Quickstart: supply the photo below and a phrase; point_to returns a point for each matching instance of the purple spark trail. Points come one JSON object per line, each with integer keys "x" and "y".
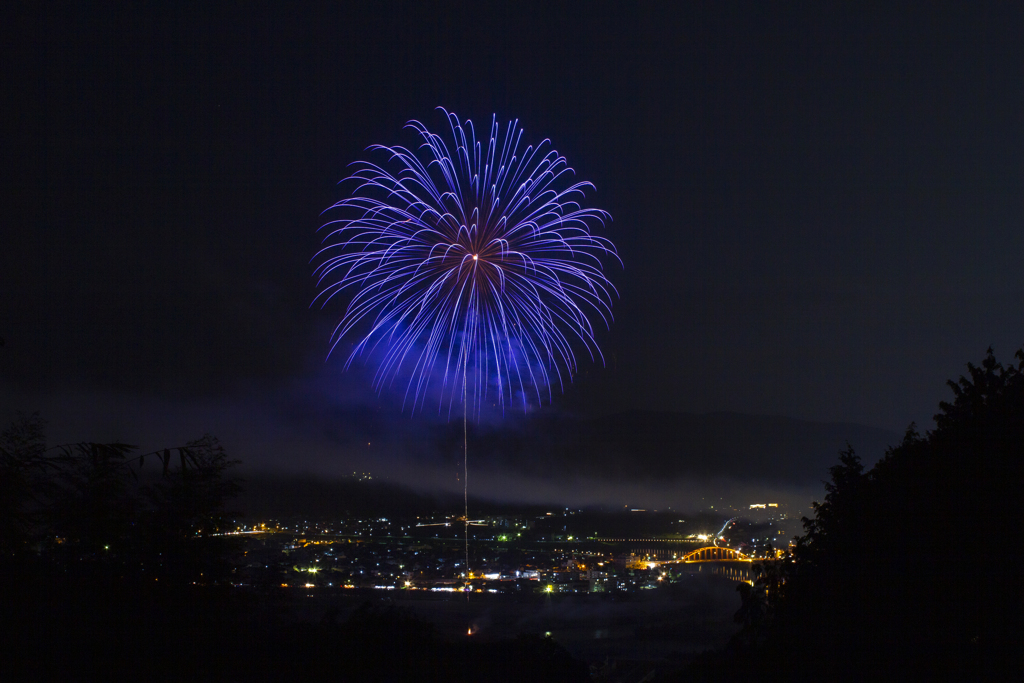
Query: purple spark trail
{"x": 470, "y": 273}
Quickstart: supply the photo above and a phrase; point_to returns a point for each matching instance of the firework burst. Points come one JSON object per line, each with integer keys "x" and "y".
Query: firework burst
{"x": 471, "y": 273}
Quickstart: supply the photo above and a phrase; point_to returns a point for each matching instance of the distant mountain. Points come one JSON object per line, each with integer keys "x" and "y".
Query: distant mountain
{"x": 318, "y": 498}
{"x": 648, "y": 449}
{"x": 649, "y": 445}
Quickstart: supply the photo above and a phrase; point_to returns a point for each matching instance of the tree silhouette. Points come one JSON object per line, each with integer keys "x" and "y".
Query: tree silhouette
{"x": 80, "y": 509}
{"x": 22, "y": 464}
{"x": 906, "y": 570}
{"x": 92, "y": 511}
{"x": 186, "y": 511}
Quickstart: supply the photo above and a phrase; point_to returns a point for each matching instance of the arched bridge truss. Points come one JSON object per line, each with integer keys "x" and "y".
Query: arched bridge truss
{"x": 712, "y": 554}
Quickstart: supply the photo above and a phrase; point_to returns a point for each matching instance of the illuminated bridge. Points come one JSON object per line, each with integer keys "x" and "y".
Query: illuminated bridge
{"x": 713, "y": 554}
{"x": 724, "y": 561}
{"x": 709, "y": 554}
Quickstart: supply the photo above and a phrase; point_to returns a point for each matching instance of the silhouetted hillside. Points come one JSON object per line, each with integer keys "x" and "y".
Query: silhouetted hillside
{"x": 290, "y": 496}
{"x": 636, "y": 447}
{"x": 657, "y": 445}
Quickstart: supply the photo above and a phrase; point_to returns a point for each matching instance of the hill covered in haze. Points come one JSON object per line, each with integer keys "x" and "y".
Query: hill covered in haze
{"x": 650, "y": 458}
{"x": 642, "y": 445}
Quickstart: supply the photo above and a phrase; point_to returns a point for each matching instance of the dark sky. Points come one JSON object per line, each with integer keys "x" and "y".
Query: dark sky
{"x": 819, "y": 206}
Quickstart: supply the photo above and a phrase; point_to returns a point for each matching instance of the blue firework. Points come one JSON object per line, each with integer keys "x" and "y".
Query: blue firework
{"x": 470, "y": 270}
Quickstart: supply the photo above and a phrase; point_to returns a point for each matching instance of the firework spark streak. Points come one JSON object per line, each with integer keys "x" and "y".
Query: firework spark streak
{"x": 475, "y": 269}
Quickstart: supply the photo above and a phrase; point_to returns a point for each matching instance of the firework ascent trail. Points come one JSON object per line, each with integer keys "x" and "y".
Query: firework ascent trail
{"x": 471, "y": 274}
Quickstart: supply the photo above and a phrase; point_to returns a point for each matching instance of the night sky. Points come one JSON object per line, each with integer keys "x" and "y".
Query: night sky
{"x": 819, "y": 207}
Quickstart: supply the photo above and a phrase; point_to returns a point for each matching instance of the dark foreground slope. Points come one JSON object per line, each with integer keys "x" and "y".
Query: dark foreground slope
{"x": 108, "y": 630}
